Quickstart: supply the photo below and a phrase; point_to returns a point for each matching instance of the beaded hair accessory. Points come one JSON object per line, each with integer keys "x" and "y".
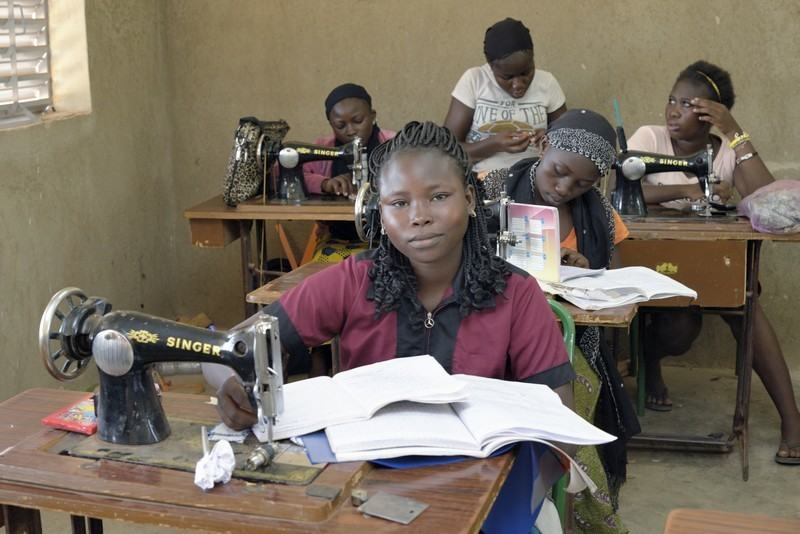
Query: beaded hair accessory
{"x": 587, "y": 144}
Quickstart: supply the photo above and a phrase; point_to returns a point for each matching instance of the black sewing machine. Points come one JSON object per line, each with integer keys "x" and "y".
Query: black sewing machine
{"x": 125, "y": 345}
{"x": 289, "y": 184}
{"x": 631, "y": 166}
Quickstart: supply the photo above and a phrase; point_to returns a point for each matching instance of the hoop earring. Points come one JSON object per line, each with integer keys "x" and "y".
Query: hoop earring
{"x": 473, "y": 214}
{"x": 383, "y": 230}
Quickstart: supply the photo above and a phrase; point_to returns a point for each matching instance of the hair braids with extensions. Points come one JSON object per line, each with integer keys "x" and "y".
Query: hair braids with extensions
{"x": 392, "y": 276}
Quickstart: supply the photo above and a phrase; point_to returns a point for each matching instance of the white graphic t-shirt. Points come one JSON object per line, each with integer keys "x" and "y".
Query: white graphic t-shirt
{"x": 497, "y": 111}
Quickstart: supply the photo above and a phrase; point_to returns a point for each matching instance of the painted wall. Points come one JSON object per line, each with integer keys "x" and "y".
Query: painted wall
{"x": 87, "y": 201}
{"x": 280, "y": 58}
{"x": 97, "y": 201}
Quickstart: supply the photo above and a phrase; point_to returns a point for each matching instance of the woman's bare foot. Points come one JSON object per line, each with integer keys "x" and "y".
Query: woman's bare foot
{"x": 789, "y": 449}
{"x": 657, "y": 393}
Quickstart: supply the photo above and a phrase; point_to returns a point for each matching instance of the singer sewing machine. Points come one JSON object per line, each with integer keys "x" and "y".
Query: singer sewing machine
{"x": 75, "y": 329}
{"x": 632, "y": 166}
{"x": 289, "y": 184}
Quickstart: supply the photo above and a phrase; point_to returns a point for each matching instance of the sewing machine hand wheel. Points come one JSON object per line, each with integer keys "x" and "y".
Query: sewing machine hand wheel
{"x": 367, "y": 217}
{"x": 54, "y": 348}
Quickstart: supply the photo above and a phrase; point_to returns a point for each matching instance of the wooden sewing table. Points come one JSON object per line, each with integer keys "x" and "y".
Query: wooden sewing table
{"x": 32, "y": 478}
{"x": 619, "y": 317}
{"x": 719, "y": 258}
{"x": 214, "y": 224}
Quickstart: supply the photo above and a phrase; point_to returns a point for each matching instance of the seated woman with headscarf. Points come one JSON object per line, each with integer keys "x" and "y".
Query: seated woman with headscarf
{"x": 577, "y": 150}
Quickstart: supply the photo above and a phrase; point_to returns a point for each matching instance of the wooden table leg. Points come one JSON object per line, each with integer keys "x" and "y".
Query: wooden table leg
{"x": 745, "y": 347}
{"x": 247, "y": 256}
{"x": 637, "y": 355}
{"x": 22, "y": 520}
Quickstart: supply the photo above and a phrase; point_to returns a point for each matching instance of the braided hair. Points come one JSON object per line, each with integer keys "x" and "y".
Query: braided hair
{"x": 392, "y": 276}
{"x": 716, "y": 80}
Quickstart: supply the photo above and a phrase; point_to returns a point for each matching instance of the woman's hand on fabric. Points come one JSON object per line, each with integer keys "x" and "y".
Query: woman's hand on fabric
{"x": 512, "y": 141}
{"x": 234, "y": 406}
{"x": 573, "y": 258}
{"x": 341, "y": 185}
{"x": 716, "y": 114}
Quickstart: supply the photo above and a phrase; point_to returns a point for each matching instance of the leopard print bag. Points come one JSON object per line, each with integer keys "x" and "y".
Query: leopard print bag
{"x": 248, "y": 165}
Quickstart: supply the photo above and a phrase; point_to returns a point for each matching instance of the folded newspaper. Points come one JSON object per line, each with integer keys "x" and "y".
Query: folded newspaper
{"x": 616, "y": 287}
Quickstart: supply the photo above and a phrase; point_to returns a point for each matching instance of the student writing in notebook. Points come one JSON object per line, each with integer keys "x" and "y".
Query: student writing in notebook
{"x": 432, "y": 286}
{"x": 577, "y": 150}
{"x": 702, "y": 97}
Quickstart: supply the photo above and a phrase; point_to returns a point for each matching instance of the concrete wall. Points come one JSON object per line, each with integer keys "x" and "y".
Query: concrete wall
{"x": 87, "y": 201}
{"x": 97, "y": 201}
{"x": 280, "y": 58}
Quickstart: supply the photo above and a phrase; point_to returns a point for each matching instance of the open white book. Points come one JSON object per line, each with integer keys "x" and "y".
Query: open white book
{"x": 496, "y": 413}
{"x": 617, "y": 287}
{"x": 313, "y": 404}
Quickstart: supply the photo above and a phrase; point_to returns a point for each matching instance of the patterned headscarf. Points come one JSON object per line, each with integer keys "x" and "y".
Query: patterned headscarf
{"x": 587, "y": 133}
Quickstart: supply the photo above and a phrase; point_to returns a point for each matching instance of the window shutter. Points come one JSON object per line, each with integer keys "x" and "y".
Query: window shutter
{"x": 25, "y": 86}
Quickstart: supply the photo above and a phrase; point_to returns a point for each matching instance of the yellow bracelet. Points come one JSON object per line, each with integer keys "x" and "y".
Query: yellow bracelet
{"x": 738, "y": 139}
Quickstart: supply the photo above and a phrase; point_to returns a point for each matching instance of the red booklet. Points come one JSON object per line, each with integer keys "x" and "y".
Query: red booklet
{"x": 78, "y": 417}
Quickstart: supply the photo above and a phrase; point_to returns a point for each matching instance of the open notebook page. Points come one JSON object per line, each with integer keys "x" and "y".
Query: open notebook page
{"x": 568, "y": 272}
{"x": 414, "y": 378}
{"x": 312, "y": 404}
{"x": 431, "y": 429}
{"x": 497, "y": 409}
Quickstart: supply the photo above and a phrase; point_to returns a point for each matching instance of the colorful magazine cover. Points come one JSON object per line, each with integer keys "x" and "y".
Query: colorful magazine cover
{"x": 77, "y": 417}
{"x": 538, "y": 246}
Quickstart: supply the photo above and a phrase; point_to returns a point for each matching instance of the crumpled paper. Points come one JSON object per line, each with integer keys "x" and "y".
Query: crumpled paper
{"x": 216, "y": 466}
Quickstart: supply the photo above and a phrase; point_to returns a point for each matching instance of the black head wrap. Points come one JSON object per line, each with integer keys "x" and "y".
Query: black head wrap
{"x": 347, "y": 90}
{"x": 586, "y": 133}
{"x": 506, "y": 37}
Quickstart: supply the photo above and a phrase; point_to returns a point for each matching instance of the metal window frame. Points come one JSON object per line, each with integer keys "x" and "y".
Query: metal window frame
{"x": 16, "y": 112}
